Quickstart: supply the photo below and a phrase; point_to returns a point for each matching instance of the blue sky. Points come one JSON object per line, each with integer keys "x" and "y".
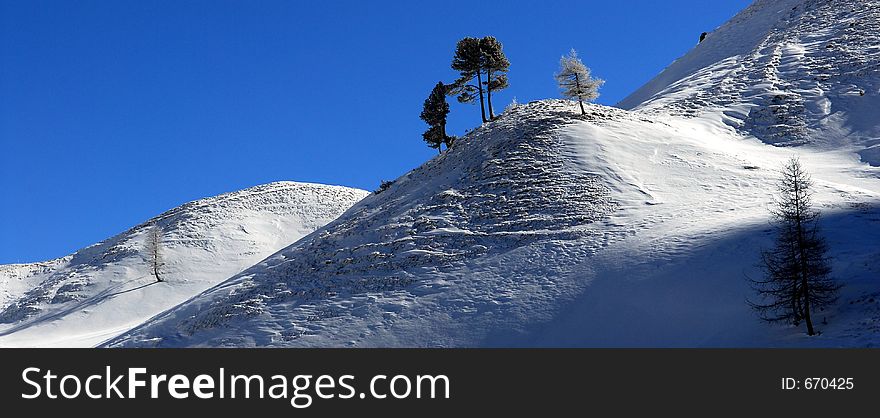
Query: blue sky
{"x": 114, "y": 111}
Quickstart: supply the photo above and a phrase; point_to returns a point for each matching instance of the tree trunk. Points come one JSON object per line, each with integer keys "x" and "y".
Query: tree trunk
{"x": 153, "y": 251}
{"x": 577, "y": 83}
{"x": 799, "y": 230}
{"x": 489, "y": 93}
{"x": 480, "y": 89}
{"x": 807, "y": 318}
{"x": 156, "y": 262}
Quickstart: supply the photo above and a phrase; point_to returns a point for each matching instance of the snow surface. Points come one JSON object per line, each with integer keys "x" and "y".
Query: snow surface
{"x": 620, "y": 228}
{"x": 789, "y": 72}
{"x": 544, "y": 228}
{"x": 105, "y": 289}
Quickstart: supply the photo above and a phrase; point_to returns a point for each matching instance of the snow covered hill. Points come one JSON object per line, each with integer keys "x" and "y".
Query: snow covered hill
{"x": 634, "y": 227}
{"x": 107, "y": 288}
{"x": 544, "y": 228}
{"x": 790, "y": 72}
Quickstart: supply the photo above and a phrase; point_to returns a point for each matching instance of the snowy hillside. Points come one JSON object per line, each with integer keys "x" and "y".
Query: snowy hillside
{"x": 15, "y": 281}
{"x": 634, "y": 227}
{"x": 544, "y": 228}
{"x": 789, "y": 72}
{"x": 102, "y": 290}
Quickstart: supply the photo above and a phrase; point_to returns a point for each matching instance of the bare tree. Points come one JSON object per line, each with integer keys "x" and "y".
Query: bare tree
{"x": 154, "y": 251}
{"x": 796, "y": 269}
{"x": 575, "y": 81}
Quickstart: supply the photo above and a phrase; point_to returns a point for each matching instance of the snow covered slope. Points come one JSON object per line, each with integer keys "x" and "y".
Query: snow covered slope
{"x": 632, "y": 228}
{"x": 503, "y": 189}
{"x": 14, "y": 277}
{"x": 105, "y": 289}
{"x": 545, "y": 228}
{"x": 790, "y": 72}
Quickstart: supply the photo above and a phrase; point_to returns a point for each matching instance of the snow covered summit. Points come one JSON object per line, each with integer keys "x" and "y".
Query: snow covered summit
{"x": 789, "y": 72}
{"x": 107, "y": 288}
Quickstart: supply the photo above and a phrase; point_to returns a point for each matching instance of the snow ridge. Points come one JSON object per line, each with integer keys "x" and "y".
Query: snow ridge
{"x": 204, "y": 242}
{"x": 789, "y": 72}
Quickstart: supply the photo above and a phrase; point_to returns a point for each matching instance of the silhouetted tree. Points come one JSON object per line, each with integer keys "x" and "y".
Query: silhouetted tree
{"x": 703, "y": 36}
{"x": 433, "y": 137}
{"x": 796, "y": 269}
{"x": 476, "y": 58}
{"x": 495, "y": 65}
{"x": 434, "y": 113}
{"x": 468, "y": 62}
{"x": 575, "y": 81}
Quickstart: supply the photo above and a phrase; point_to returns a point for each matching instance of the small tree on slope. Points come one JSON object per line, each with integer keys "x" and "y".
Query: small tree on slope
{"x": 796, "y": 281}
{"x": 434, "y": 113}
{"x": 154, "y": 251}
{"x": 575, "y": 81}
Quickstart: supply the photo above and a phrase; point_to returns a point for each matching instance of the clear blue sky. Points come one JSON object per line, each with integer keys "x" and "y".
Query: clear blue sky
{"x": 114, "y": 111}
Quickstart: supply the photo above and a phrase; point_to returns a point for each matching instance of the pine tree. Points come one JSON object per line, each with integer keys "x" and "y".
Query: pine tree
{"x": 575, "y": 81}
{"x": 433, "y": 137}
{"x": 796, "y": 281}
{"x": 434, "y": 113}
{"x": 495, "y": 65}
{"x": 475, "y": 58}
{"x": 154, "y": 251}
{"x": 468, "y": 62}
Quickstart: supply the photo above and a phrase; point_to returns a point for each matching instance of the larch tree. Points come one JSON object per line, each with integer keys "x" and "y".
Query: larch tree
{"x": 796, "y": 282}
{"x": 496, "y": 66}
{"x": 575, "y": 81}
{"x": 154, "y": 251}
{"x": 434, "y": 113}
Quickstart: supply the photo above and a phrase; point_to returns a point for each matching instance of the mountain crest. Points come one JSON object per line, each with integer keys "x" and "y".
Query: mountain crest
{"x": 789, "y": 72}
